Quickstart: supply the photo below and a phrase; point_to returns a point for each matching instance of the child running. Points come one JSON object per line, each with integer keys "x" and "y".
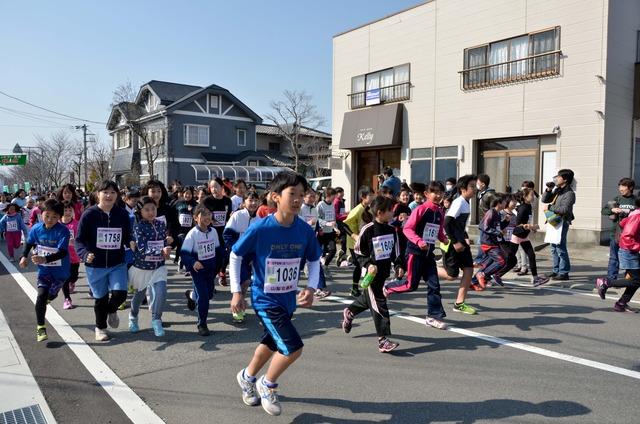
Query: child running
{"x": 235, "y": 228}
{"x": 491, "y": 239}
{"x": 423, "y": 229}
{"x": 199, "y": 258}
{"x": 148, "y": 275}
{"x": 51, "y": 242}
{"x": 278, "y": 244}
{"x": 357, "y": 218}
{"x": 629, "y": 261}
{"x": 13, "y": 228}
{"x": 69, "y": 286}
{"x": 378, "y": 250}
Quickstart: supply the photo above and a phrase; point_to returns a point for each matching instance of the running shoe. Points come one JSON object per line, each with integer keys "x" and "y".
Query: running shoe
{"x": 222, "y": 279}
{"x": 268, "y": 397}
{"x": 122, "y": 306}
{"x": 561, "y": 277}
{"x": 156, "y": 324}
{"x": 347, "y": 320}
{"x": 238, "y": 317}
{"x": 133, "y": 324}
{"x": 131, "y": 290}
{"x": 622, "y": 307}
{"x": 191, "y": 304}
{"x": 249, "y": 396}
{"x": 41, "y": 333}
{"x": 321, "y": 294}
{"x": 344, "y": 264}
{"x": 12, "y": 259}
{"x": 187, "y": 274}
{"x": 523, "y": 271}
{"x": 482, "y": 281}
{"x": 67, "y": 304}
{"x": 436, "y": 323}
{"x": 602, "y": 284}
{"x": 464, "y": 308}
{"x": 498, "y": 280}
{"x": 539, "y": 280}
{"x": 102, "y": 335}
{"x": 113, "y": 320}
{"x": 203, "y": 330}
{"x": 385, "y": 345}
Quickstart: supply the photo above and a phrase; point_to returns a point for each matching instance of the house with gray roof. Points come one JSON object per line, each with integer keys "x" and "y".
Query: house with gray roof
{"x": 188, "y": 133}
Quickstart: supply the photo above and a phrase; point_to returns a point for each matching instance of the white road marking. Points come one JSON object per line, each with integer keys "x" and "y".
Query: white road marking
{"x": 508, "y": 343}
{"x": 123, "y": 395}
{"x": 562, "y": 290}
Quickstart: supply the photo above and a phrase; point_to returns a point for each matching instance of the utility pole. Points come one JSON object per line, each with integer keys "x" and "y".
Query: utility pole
{"x": 84, "y": 151}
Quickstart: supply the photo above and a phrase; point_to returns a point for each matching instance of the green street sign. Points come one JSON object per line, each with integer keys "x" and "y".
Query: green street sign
{"x": 15, "y": 188}
{"x": 27, "y": 186}
{"x": 9, "y": 160}
{"x": 5, "y": 189}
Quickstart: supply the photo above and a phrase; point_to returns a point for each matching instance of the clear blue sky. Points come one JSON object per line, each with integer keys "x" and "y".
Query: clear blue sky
{"x": 68, "y": 56}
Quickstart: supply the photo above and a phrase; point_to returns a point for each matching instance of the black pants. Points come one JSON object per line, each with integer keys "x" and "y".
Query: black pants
{"x": 630, "y": 285}
{"x": 107, "y": 305}
{"x": 41, "y": 303}
{"x": 73, "y": 277}
{"x": 373, "y": 299}
{"x": 328, "y": 243}
{"x": 179, "y": 241}
{"x": 509, "y": 250}
{"x": 342, "y": 237}
{"x": 357, "y": 271}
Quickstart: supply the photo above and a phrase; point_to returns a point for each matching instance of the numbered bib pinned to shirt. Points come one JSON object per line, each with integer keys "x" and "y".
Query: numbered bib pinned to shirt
{"x": 12, "y": 225}
{"x": 281, "y": 275}
{"x": 109, "y": 238}
{"x": 47, "y": 251}
{"x": 185, "y": 219}
{"x": 206, "y": 249}
{"x": 219, "y": 218}
{"x": 329, "y": 216}
{"x": 508, "y": 233}
{"x": 383, "y": 246}
{"x": 430, "y": 233}
{"x": 155, "y": 248}
{"x": 162, "y": 219}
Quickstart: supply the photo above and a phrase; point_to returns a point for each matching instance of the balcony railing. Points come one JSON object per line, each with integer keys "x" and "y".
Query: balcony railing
{"x": 537, "y": 66}
{"x": 388, "y": 94}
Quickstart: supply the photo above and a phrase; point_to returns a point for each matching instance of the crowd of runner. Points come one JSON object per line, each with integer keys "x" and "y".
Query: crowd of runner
{"x": 232, "y": 234}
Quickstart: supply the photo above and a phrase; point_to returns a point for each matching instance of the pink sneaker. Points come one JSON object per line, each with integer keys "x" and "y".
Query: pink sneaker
{"x": 67, "y": 304}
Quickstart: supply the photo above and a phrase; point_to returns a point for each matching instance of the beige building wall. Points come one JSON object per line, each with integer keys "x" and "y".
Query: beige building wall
{"x": 432, "y": 38}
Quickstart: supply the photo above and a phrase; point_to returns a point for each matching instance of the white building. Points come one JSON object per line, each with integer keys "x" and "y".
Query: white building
{"x": 516, "y": 89}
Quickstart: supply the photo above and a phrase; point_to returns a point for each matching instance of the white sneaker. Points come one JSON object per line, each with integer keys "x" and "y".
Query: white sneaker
{"x": 102, "y": 335}
{"x": 268, "y": 398}
{"x": 113, "y": 320}
{"x": 249, "y": 396}
{"x": 436, "y": 323}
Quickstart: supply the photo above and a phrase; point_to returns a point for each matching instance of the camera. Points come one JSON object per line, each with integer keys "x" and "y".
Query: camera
{"x": 550, "y": 185}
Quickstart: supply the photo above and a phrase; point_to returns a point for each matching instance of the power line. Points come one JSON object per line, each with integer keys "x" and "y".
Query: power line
{"x": 31, "y": 117}
{"x": 51, "y": 111}
{"x": 34, "y": 126}
{"x": 36, "y": 114}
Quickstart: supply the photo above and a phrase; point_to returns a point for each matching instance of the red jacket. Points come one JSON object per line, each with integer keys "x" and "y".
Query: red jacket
{"x": 630, "y": 237}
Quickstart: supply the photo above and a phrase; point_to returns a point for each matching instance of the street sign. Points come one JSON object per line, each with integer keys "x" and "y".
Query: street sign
{"x": 27, "y": 186}
{"x": 5, "y": 189}
{"x": 9, "y": 160}
{"x": 15, "y": 188}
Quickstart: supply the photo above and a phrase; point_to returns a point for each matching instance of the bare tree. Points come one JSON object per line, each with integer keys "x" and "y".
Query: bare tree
{"x": 125, "y": 92}
{"x": 290, "y": 115}
{"x": 100, "y": 155}
{"x": 57, "y": 155}
{"x": 316, "y": 152}
{"x": 151, "y": 141}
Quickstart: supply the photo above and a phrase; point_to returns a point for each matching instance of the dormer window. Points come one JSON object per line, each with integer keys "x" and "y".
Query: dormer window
{"x": 151, "y": 103}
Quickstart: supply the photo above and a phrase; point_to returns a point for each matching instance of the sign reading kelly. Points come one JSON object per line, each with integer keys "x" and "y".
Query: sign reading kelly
{"x": 377, "y": 126}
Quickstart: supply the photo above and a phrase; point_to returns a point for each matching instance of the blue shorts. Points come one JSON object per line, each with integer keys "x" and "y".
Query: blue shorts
{"x": 279, "y": 333}
{"x": 628, "y": 259}
{"x": 52, "y": 284}
{"x": 103, "y": 280}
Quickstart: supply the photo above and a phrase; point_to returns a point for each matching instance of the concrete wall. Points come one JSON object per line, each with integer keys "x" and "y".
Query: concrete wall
{"x": 432, "y": 38}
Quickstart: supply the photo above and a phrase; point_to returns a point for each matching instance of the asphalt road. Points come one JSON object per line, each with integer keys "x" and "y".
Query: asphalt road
{"x": 433, "y": 377}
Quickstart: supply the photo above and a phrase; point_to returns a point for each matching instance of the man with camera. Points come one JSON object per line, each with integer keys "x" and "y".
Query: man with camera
{"x": 561, "y": 198}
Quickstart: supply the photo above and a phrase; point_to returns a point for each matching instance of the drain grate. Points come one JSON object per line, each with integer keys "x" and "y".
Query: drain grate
{"x": 27, "y": 415}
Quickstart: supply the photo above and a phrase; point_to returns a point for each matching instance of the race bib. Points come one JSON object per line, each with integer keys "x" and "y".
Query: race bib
{"x": 206, "y": 249}
{"x": 383, "y": 246}
{"x": 310, "y": 219}
{"x": 46, "y": 251}
{"x": 155, "y": 248}
{"x": 219, "y": 218}
{"x": 281, "y": 275}
{"x": 12, "y": 225}
{"x": 430, "y": 233}
{"x": 109, "y": 238}
{"x": 72, "y": 235}
{"x": 508, "y": 233}
{"x": 162, "y": 219}
{"x": 329, "y": 216}
{"x": 185, "y": 219}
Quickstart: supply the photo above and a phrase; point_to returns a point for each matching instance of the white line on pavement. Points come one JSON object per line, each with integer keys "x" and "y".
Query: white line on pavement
{"x": 123, "y": 395}
{"x": 561, "y": 290}
{"x": 515, "y": 345}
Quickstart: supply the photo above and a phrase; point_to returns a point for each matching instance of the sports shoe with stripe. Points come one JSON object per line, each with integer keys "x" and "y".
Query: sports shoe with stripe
{"x": 385, "y": 345}
{"x": 268, "y": 397}
{"x": 464, "y": 308}
{"x": 436, "y": 323}
{"x": 41, "y": 333}
{"x": 249, "y": 396}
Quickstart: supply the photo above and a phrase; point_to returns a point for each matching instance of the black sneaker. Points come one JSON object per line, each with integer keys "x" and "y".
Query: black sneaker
{"x": 561, "y": 277}
{"x": 191, "y": 304}
{"x": 355, "y": 293}
{"x": 203, "y": 330}
{"x": 552, "y": 275}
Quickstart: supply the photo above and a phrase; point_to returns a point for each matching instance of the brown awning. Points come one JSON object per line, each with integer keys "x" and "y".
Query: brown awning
{"x": 377, "y": 126}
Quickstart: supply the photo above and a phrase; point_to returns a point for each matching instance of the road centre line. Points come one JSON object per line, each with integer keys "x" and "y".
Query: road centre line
{"x": 130, "y": 403}
{"x": 508, "y": 343}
